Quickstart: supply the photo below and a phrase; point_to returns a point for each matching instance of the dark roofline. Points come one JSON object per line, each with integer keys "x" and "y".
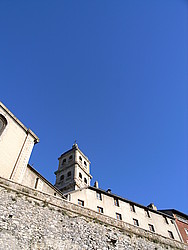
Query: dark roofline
{"x": 45, "y": 180}
{"x": 132, "y": 202}
{"x": 174, "y": 211}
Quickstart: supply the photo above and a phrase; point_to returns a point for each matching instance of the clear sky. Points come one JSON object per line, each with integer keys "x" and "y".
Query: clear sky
{"x": 111, "y": 74}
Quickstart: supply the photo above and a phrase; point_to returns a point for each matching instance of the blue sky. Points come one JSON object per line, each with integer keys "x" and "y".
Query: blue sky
{"x": 113, "y": 76}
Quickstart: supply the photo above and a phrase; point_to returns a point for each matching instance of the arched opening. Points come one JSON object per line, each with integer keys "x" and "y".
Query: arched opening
{"x": 62, "y": 177}
{"x": 69, "y": 174}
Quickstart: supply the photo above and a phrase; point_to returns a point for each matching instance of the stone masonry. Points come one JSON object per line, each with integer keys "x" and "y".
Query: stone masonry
{"x": 30, "y": 219}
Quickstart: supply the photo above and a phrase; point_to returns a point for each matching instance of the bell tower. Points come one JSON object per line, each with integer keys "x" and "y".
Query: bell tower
{"x": 73, "y": 171}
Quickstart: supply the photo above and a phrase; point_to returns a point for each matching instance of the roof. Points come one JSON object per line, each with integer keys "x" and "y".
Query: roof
{"x": 174, "y": 211}
{"x": 20, "y": 123}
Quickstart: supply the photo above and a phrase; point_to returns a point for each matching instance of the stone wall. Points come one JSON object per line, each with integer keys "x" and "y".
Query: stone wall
{"x": 30, "y": 219}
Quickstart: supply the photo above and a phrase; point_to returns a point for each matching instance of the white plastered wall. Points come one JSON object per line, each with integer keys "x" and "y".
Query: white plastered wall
{"x": 16, "y": 144}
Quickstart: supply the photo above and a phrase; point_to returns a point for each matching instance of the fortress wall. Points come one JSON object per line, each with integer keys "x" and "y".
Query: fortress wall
{"x": 30, "y": 219}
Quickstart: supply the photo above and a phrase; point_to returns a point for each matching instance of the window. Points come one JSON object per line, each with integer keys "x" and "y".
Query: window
{"x": 116, "y": 202}
{"x": 36, "y": 182}
{"x": 132, "y": 208}
{"x": 99, "y": 196}
{"x": 70, "y": 157}
{"x": 85, "y": 163}
{"x": 80, "y": 175}
{"x": 81, "y": 203}
{"x": 100, "y": 210}
{"x": 69, "y": 174}
{"x": 186, "y": 230}
{"x": 147, "y": 213}
{"x": 151, "y": 228}
{"x": 80, "y": 158}
{"x": 85, "y": 180}
{"x": 62, "y": 178}
{"x": 135, "y": 222}
{"x": 118, "y": 216}
{"x": 165, "y": 219}
{"x": 64, "y": 161}
{"x": 3, "y": 123}
{"x": 171, "y": 235}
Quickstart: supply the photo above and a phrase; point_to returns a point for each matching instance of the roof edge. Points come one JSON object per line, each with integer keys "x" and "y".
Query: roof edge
{"x": 20, "y": 123}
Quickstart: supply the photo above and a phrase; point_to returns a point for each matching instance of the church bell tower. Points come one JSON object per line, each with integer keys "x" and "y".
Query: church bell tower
{"x": 73, "y": 171}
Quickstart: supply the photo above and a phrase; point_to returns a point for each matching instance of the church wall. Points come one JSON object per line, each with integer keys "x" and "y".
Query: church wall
{"x": 11, "y": 142}
{"x": 33, "y": 220}
{"x": 33, "y": 180}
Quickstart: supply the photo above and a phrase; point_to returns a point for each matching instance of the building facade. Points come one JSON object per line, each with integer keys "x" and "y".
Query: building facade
{"x": 73, "y": 183}
{"x": 181, "y": 222}
{"x": 130, "y": 212}
{"x": 16, "y": 145}
{"x": 73, "y": 171}
{"x": 71, "y": 176}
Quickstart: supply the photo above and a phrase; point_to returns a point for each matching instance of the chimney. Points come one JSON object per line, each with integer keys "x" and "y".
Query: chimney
{"x": 152, "y": 206}
{"x": 96, "y": 184}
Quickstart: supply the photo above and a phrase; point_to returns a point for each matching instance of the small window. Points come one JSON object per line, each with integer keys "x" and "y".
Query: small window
{"x": 62, "y": 177}
{"x": 80, "y": 175}
{"x": 118, "y": 216}
{"x": 116, "y": 202}
{"x": 80, "y": 158}
{"x": 85, "y": 163}
{"x": 170, "y": 234}
{"x": 151, "y": 228}
{"x": 99, "y": 196}
{"x": 70, "y": 157}
{"x": 69, "y": 174}
{"x": 165, "y": 219}
{"x": 81, "y": 203}
{"x": 132, "y": 208}
{"x": 186, "y": 230}
{"x": 135, "y": 222}
{"x": 85, "y": 180}
{"x": 147, "y": 213}
{"x": 36, "y": 182}
{"x": 100, "y": 210}
{"x": 3, "y": 123}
